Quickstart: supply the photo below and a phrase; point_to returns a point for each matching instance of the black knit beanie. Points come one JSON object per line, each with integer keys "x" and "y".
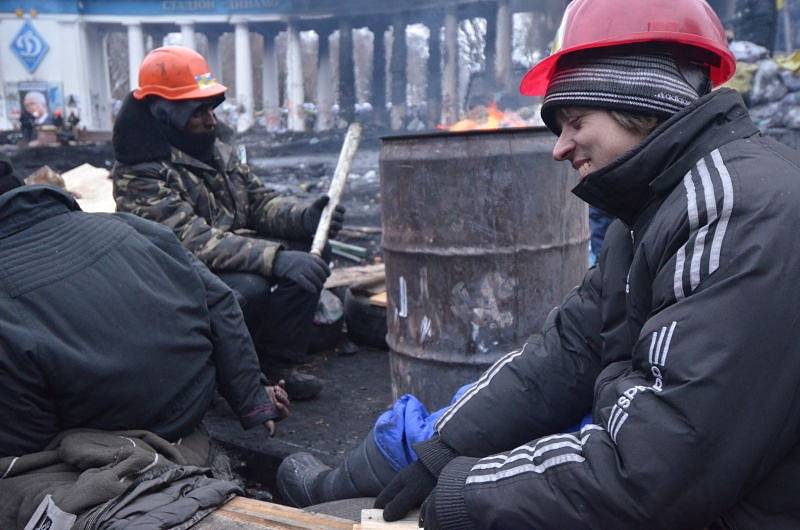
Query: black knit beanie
{"x": 647, "y": 82}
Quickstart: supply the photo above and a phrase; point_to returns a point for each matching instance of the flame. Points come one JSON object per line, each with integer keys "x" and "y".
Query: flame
{"x": 486, "y": 118}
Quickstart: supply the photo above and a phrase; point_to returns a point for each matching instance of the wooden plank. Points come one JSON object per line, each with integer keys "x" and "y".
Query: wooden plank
{"x": 222, "y": 520}
{"x": 357, "y": 276}
{"x": 280, "y": 512}
{"x": 373, "y": 520}
{"x": 379, "y": 299}
{"x": 243, "y": 513}
{"x": 359, "y": 231}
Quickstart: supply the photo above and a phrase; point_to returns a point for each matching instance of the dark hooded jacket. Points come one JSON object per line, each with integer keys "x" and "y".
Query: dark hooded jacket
{"x": 683, "y": 342}
{"x": 209, "y": 206}
{"x": 107, "y": 322}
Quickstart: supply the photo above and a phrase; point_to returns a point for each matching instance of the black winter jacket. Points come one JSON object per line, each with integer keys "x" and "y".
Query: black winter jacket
{"x": 684, "y": 342}
{"x": 107, "y": 322}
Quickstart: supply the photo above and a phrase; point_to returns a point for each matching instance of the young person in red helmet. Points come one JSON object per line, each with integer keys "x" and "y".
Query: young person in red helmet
{"x": 172, "y": 168}
{"x": 683, "y": 340}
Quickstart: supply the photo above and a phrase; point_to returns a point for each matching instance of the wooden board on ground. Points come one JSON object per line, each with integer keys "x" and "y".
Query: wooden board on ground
{"x": 249, "y": 514}
{"x": 379, "y": 299}
{"x": 373, "y": 520}
{"x": 365, "y": 275}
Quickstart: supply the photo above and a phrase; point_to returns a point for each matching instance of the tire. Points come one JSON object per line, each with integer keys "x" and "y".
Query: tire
{"x": 366, "y": 323}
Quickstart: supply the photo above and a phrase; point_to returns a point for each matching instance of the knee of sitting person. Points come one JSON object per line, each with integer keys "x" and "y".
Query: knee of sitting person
{"x": 249, "y": 287}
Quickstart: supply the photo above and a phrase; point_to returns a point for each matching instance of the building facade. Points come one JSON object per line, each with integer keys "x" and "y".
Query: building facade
{"x": 54, "y": 53}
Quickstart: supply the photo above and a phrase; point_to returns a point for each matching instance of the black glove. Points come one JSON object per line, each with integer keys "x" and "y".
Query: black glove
{"x": 306, "y": 270}
{"x": 312, "y": 214}
{"x": 427, "y": 514}
{"x": 406, "y": 491}
{"x": 413, "y": 484}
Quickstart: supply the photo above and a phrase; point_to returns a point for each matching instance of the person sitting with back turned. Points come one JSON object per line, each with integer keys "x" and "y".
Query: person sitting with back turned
{"x": 108, "y": 323}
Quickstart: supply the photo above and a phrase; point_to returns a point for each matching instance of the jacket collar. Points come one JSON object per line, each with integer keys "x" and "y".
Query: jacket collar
{"x": 223, "y": 155}
{"x": 137, "y": 137}
{"x": 26, "y": 206}
{"x": 652, "y": 169}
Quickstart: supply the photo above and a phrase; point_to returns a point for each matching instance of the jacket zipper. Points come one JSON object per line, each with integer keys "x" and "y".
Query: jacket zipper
{"x": 628, "y": 276}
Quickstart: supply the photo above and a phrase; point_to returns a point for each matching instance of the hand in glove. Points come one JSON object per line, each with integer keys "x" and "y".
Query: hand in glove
{"x": 427, "y": 514}
{"x": 306, "y": 270}
{"x": 312, "y": 214}
{"x": 406, "y": 491}
{"x": 413, "y": 484}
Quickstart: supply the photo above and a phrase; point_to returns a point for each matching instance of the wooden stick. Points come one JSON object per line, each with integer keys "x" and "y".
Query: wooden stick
{"x": 349, "y": 147}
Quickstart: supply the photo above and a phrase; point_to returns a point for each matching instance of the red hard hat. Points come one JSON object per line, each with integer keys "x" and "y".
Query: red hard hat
{"x": 592, "y": 24}
{"x": 174, "y": 72}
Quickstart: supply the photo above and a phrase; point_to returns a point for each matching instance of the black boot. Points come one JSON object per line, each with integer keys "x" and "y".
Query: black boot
{"x": 303, "y": 480}
{"x": 300, "y": 385}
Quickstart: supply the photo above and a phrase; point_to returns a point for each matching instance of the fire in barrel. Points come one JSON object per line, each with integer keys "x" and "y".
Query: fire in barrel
{"x": 481, "y": 239}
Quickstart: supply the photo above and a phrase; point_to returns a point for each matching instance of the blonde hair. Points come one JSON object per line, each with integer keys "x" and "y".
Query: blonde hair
{"x": 640, "y": 124}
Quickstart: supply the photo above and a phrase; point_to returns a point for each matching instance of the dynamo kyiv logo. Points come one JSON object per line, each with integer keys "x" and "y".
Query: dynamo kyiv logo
{"x": 29, "y": 46}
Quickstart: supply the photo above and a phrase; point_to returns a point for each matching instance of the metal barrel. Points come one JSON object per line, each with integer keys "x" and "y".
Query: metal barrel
{"x": 481, "y": 239}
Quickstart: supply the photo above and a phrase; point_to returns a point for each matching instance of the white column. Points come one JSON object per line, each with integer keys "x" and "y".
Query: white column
{"x": 434, "y": 74}
{"x": 135, "y": 53}
{"x": 450, "y": 74}
{"x": 244, "y": 77}
{"x": 187, "y": 35}
{"x": 398, "y": 66}
{"x": 270, "y": 89}
{"x": 503, "y": 45}
{"x": 213, "y": 56}
{"x": 295, "y": 95}
{"x": 97, "y": 110}
{"x": 325, "y": 88}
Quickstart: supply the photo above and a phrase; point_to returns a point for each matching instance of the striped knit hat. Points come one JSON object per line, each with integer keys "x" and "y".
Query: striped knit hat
{"x": 647, "y": 83}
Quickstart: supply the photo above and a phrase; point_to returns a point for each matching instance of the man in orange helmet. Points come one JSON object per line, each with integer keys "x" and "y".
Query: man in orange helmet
{"x": 172, "y": 168}
{"x": 682, "y": 342}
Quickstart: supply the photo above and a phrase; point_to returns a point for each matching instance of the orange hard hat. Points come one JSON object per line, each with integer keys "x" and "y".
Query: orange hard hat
{"x": 689, "y": 25}
{"x": 175, "y": 73}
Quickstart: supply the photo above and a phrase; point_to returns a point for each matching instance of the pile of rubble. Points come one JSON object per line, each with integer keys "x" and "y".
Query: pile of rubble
{"x": 91, "y": 186}
{"x": 769, "y": 85}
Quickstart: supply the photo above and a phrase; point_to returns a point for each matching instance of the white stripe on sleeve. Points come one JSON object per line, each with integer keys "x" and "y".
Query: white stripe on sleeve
{"x": 483, "y": 382}
{"x": 680, "y": 261}
{"x": 727, "y": 209}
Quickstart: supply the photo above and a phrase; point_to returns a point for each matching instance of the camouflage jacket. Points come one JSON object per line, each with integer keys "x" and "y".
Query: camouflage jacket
{"x": 212, "y": 211}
